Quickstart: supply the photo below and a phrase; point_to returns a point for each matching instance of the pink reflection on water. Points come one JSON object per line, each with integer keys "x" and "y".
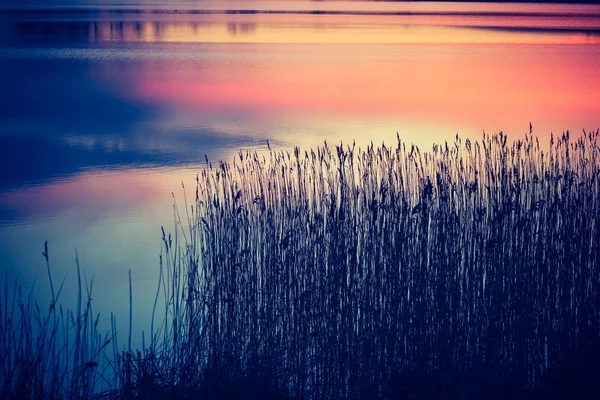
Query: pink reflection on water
{"x": 493, "y": 87}
{"x": 91, "y": 195}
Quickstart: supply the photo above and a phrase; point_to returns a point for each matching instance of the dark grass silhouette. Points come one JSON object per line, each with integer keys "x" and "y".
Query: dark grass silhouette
{"x": 466, "y": 272}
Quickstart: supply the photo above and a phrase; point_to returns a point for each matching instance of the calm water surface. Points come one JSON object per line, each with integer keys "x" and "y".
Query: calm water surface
{"x": 106, "y": 108}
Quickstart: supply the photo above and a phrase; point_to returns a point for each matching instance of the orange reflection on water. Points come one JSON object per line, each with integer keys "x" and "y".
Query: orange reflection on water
{"x": 497, "y": 86}
{"x": 354, "y": 29}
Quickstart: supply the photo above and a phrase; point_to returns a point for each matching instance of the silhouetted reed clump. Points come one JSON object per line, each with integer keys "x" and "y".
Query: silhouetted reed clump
{"x": 334, "y": 271}
{"x": 50, "y": 354}
{"x": 469, "y": 271}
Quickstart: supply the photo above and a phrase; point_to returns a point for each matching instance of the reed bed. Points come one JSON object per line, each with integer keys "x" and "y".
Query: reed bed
{"x": 383, "y": 272}
{"x": 335, "y": 270}
{"x": 53, "y": 353}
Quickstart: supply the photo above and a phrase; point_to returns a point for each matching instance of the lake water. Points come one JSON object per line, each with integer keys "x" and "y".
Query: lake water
{"x": 106, "y": 108}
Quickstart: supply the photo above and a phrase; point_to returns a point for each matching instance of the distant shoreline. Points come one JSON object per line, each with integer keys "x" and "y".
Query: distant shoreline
{"x": 125, "y": 6}
{"x": 118, "y": 11}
